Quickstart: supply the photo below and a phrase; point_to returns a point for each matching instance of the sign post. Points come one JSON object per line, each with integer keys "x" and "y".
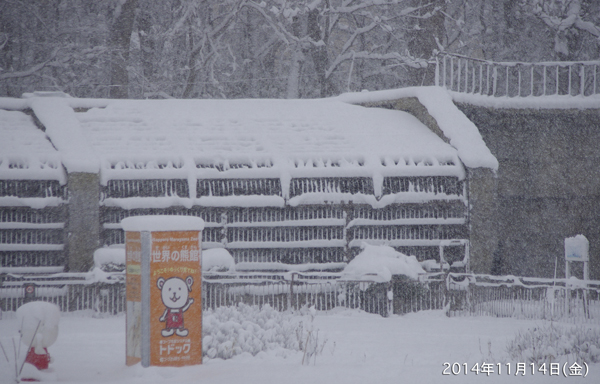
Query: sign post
{"x": 164, "y": 280}
{"x": 29, "y": 293}
{"x": 577, "y": 248}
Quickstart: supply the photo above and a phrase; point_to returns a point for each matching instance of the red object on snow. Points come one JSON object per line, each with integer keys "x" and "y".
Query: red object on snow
{"x": 38, "y": 361}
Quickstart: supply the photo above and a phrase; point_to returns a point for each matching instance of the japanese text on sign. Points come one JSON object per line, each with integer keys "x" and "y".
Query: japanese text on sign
{"x": 165, "y": 254}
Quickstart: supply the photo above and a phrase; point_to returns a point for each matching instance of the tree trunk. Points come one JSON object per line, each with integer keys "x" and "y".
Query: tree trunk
{"x": 120, "y": 37}
{"x": 191, "y": 79}
{"x": 319, "y": 54}
{"x": 144, "y": 25}
{"x": 422, "y": 40}
{"x": 293, "y": 85}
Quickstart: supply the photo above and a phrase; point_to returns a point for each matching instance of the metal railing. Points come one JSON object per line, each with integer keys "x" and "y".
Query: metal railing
{"x": 282, "y": 291}
{"x": 68, "y": 296}
{"x": 459, "y": 294}
{"x": 523, "y": 297}
{"x": 517, "y": 79}
{"x": 285, "y": 291}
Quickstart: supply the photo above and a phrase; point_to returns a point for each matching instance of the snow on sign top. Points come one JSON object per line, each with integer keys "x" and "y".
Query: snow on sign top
{"x": 259, "y": 138}
{"x": 25, "y": 153}
{"x": 164, "y": 223}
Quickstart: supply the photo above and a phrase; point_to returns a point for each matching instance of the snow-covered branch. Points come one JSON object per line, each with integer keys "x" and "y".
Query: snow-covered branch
{"x": 366, "y": 55}
{"x": 357, "y": 32}
{"x": 563, "y": 15}
{"x": 30, "y": 71}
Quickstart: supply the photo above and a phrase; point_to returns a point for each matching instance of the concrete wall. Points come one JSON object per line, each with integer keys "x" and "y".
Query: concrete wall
{"x": 548, "y": 185}
{"x": 483, "y": 209}
{"x": 83, "y": 225}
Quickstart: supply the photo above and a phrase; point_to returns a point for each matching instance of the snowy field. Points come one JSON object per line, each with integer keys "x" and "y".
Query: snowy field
{"x": 358, "y": 348}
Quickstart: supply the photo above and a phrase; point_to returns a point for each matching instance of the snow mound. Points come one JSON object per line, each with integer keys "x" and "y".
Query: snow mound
{"x": 113, "y": 255}
{"x": 217, "y": 260}
{"x": 39, "y": 324}
{"x": 380, "y": 263}
{"x": 31, "y": 373}
{"x": 108, "y": 260}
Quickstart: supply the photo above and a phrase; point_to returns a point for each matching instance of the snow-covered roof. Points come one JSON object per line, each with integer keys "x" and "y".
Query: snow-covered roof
{"x": 263, "y": 138}
{"x": 258, "y": 138}
{"x": 146, "y": 139}
{"x": 64, "y": 131}
{"x": 25, "y": 153}
{"x": 457, "y": 127}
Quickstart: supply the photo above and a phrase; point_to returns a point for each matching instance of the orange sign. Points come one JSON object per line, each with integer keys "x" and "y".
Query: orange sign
{"x": 175, "y": 299}
{"x": 133, "y": 254}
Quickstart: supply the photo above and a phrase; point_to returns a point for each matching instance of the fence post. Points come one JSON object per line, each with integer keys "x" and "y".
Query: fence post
{"x": 437, "y": 71}
{"x": 390, "y": 298}
{"x": 445, "y": 292}
{"x": 292, "y": 304}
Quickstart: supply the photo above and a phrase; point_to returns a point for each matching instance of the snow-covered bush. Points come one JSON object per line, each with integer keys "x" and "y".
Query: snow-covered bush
{"x": 552, "y": 343}
{"x": 110, "y": 259}
{"x": 217, "y": 260}
{"x": 406, "y": 291}
{"x": 379, "y": 263}
{"x": 230, "y": 331}
{"x": 308, "y": 338}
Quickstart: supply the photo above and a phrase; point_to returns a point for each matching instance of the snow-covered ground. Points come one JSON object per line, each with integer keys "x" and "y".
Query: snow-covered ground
{"x": 359, "y": 348}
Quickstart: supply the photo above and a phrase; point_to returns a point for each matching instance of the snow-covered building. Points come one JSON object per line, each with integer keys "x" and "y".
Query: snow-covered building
{"x": 281, "y": 184}
{"x": 32, "y": 197}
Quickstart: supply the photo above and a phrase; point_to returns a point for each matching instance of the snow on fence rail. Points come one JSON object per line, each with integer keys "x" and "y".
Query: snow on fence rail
{"x": 281, "y": 291}
{"x": 460, "y": 294}
{"x": 524, "y": 297}
{"x": 68, "y": 296}
{"x": 517, "y": 79}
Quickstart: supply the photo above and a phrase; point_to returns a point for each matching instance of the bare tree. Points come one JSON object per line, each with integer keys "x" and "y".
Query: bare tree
{"x": 574, "y": 24}
{"x": 120, "y": 39}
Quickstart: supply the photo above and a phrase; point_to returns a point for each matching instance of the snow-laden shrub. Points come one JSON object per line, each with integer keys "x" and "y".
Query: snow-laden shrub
{"x": 308, "y": 338}
{"x": 230, "y": 331}
{"x": 379, "y": 263}
{"x": 555, "y": 343}
{"x": 217, "y": 260}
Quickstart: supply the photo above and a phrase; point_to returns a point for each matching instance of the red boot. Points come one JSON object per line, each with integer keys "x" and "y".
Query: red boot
{"x": 38, "y": 361}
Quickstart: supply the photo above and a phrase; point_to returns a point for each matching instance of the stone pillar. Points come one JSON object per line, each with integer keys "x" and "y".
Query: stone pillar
{"x": 83, "y": 224}
{"x": 483, "y": 226}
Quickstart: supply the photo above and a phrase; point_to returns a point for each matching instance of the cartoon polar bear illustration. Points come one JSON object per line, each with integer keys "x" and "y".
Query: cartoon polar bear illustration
{"x": 175, "y": 296}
